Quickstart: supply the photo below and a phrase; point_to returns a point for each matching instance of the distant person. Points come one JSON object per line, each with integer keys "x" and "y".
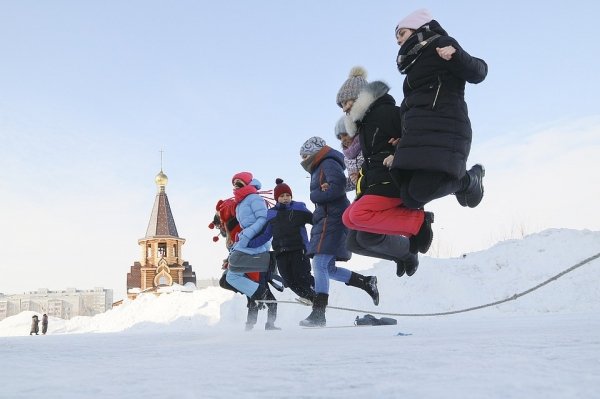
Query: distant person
{"x": 34, "y": 325}
{"x": 430, "y": 159}
{"x": 286, "y": 225}
{"x": 44, "y": 323}
{"x": 328, "y": 235}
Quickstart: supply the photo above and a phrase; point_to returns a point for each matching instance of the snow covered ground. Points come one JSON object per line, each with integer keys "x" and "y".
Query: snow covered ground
{"x": 193, "y": 345}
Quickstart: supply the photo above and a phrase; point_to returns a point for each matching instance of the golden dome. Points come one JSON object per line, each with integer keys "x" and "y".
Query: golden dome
{"x": 161, "y": 179}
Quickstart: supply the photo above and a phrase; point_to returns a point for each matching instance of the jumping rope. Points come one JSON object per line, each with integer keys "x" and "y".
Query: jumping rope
{"x": 510, "y": 298}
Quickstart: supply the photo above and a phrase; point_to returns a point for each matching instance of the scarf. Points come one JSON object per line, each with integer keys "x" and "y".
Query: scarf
{"x": 241, "y": 193}
{"x": 315, "y": 159}
{"x": 353, "y": 150}
{"x": 412, "y": 49}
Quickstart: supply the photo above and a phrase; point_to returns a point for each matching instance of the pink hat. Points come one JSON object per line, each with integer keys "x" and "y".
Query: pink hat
{"x": 415, "y": 20}
{"x": 246, "y": 177}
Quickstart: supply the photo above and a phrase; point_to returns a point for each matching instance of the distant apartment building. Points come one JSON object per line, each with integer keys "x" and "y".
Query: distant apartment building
{"x": 207, "y": 282}
{"x": 64, "y": 304}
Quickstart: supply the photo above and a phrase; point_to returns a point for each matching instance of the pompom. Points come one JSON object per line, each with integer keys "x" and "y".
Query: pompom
{"x": 211, "y": 226}
{"x": 278, "y": 181}
{"x": 215, "y": 238}
{"x": 358, "y": 71}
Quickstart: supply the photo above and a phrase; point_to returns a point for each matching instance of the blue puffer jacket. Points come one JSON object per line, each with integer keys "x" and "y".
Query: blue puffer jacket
{"x": 328, "y": 234}
{"x": 251, "y": 213}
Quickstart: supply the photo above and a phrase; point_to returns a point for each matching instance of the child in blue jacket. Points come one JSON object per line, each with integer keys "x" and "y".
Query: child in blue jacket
{"x": 251, "y": 214}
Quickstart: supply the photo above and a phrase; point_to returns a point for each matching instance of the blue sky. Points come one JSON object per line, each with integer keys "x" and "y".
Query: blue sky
{"x": 91, "y": 91}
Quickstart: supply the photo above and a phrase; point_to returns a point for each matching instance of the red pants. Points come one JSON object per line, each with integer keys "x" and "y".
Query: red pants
{"x": 383, "y": 215}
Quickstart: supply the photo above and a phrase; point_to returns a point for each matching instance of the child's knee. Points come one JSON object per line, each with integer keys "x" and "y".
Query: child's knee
{"x": 346, "y": 217}
{"x": 231, "y": 277}
{"x": 353, "y": 217}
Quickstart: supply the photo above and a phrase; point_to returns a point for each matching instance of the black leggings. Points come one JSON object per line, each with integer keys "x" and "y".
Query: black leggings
{"x": 418, "y": 187}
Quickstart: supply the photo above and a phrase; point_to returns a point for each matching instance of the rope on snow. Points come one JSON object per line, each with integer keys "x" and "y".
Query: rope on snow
{"x": 511, "y": 298}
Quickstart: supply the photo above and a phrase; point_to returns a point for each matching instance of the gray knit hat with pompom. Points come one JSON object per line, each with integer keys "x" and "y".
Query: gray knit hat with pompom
{"x": 352, "y": 86}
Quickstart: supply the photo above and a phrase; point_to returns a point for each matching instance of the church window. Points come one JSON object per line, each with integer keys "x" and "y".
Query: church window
{"x": 162, "y": 249}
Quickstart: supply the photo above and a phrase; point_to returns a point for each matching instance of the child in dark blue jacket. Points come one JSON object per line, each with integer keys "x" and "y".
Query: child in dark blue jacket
{"x": 286, "y": 224}
{"x": 327, "y": 243}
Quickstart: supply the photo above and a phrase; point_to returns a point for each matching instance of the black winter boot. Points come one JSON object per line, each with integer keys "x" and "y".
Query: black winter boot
{"x": 366, "y": 283}
{"x": 408, "y": 264}
{"x": 421, "y": 241}
{"x": 252, "y": 314}
{"x": 400, "y": 268}
{"x": 472, "y": 195}
{"x": 271, "y": 313}
{"x": 316, "y": 318}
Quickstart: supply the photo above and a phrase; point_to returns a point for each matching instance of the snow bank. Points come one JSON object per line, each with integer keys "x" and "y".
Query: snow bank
{"x": 439, "y": 285}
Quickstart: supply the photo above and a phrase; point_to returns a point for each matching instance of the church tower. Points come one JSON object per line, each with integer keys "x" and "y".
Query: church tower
{"x": 161, "y": 263}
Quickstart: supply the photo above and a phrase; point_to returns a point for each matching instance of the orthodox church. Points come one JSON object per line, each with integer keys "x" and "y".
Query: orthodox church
{"x": 161, "y": 263}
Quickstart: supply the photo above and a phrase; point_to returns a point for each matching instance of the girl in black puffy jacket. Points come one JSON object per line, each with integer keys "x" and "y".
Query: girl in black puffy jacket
{"x": 430, "y": 159}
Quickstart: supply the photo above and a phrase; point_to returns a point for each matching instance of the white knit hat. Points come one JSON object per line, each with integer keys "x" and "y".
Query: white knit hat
{"x": 312, "y": 146}
{"x": 340, "y": 127}
{"x": 415, "y": 20}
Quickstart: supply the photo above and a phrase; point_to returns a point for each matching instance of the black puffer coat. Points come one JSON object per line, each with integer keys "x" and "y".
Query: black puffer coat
{"x": 376, "y": 119}
{"x": 436, "y": 130}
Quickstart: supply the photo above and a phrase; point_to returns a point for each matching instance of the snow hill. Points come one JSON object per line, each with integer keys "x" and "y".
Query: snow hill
{"x": 439, "y": 285}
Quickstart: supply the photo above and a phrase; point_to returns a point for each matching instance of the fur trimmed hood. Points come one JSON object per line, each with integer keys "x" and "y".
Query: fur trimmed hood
{"x": 367, "y": 96}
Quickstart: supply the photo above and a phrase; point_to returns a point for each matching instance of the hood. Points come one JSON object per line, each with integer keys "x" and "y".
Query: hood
{"x": 256, "y": 184}
{"x": 312, "y": 162}
{"x": 435, "y": 26}
{"x": 371, "y": 93}
{"x": 337, "y": 156}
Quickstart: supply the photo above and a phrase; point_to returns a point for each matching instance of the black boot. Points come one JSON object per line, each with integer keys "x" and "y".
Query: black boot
{"x": 271, "y": 313}
{"x": 317, "y": 316}
{"x": 472, "y": 194}
{"x": 366, "y": 283}
{"x": 412, "y": 266}
{"x": 252, "y": 314}
{"x": 421, "y": 241}
{"x": 400, "y": 268}
{"x": 408, "y": 264}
